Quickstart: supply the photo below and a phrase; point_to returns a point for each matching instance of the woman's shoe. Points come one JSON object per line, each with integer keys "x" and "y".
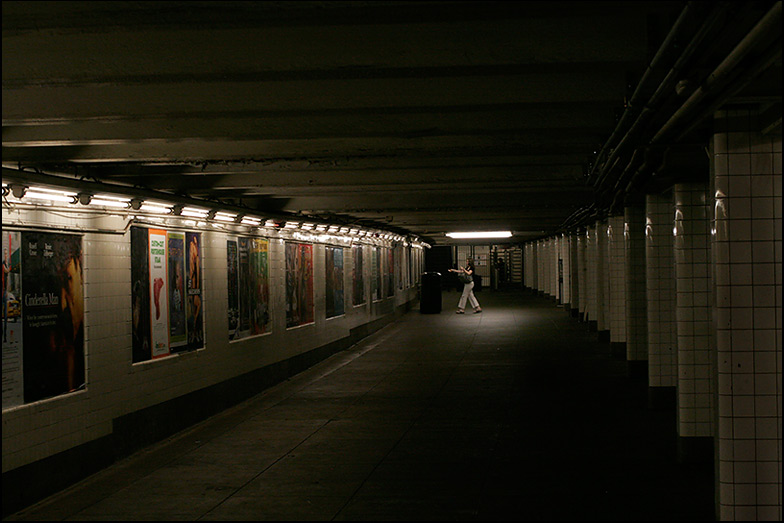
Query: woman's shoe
{"x": 460, "y": 311}
{"x": 477, "y": 311}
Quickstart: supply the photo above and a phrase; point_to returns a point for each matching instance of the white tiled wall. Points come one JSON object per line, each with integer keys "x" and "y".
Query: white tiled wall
{"x": 115, "y": 386}
{"x": 636, "y": 305}
{"x": 693, "y": 310}
{"x": 660, "y": 286}
{"x": 747, "y": 251}
{"x": 617, "y": 279}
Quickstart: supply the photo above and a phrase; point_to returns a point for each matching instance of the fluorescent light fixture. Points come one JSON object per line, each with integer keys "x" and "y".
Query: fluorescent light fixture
{"x": 291, "y": 225}
{"x": 479, "y": 234}
{"x": 158, "y": 208}
{"x": 109, "y": 201}
{"x": 194, "y": 212}
{"x": 224, "y": 217}
{"x": 45, "y": 194}
{"x": 247, "y": 220}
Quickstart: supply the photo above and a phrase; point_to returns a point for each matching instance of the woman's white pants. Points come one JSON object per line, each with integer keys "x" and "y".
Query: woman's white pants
{"x": 468, "y": 294}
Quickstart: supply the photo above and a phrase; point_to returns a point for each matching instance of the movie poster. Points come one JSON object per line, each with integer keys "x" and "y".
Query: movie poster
{"x": 358, "y": 276}
{"x": 195, "y": 323}
{"x": 249, "y": 311}
{"x": 140, "y": 295}
{"x": 159, "y": 294}
{"x": 232, "y": 273}
{"x": 52, "y": 314}
{"x": 243, "y": 245}
{"x": 13, "y": 388}
{"x": 334, "y": 281}
{"x": 390, "y": 272}
{"x": 375, "y": 267}
{"x": 177, "y": 296}
{"x": 258, "y": 288}
{"x": 299, "y": 284}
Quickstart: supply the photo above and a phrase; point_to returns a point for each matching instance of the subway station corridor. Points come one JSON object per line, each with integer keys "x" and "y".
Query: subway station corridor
{"x": 517, "y": 413}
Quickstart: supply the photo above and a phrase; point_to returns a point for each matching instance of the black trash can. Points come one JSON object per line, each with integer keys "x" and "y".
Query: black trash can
{"x": 430, "y": 293}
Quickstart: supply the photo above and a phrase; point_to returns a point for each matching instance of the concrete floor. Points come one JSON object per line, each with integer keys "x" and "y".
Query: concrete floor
{"x": 518, "y": 413}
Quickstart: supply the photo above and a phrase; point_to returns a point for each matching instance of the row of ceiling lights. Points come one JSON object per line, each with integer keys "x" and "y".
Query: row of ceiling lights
{"x": 42, "y": 194}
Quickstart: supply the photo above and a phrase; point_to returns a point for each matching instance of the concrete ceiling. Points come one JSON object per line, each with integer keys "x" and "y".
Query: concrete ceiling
{"x": 421, "y": 117}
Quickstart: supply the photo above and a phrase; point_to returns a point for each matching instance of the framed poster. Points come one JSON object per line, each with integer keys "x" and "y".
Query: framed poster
{"x": 358, "y": 276}
{"x": 299, "y": 284}
{"x": 333, "y": 257}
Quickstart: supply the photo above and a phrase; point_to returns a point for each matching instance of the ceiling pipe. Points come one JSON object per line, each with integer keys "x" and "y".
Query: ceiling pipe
{"x": 666, "y": 89}
{"x": 719, "y": 79}
{"x": 722, "y": 75}
{"x": 683, "y": 24}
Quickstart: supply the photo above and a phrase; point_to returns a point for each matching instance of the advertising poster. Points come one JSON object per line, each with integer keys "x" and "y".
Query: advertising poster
{"x": 258, "y": 287}
{"x": 176, "y": 287}
{"x": 375, "y": 274}
{"x": 299, "y": 284}
{"x": 334, "y": 281}
{"x": 358, "y": 276}
{"x": 195, "y": 324}
{"x": 244, "y": 281}
{"x": 159, "y": 294}
{"x": 140, "y": 295}
{"x": 232, "y": 266}
{"x": 13, "y": 391}
{"x": 52, "y": 314}
{"x": 390, "y": 274}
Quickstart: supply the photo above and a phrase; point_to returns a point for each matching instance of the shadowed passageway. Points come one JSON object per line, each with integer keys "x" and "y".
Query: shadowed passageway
{"x": 517, "y": 413}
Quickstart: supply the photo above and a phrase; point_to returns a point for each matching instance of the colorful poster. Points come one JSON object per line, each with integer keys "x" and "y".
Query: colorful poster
{"x": 140, "y": 295}
{"x": 299, "y": 284}
{"x": 159, "y": 294}
{"x": 232, "y": 273}
{"x": 244, "y": 281}
{"x": 375, "y": 265}
{"x": 334, "y": 281}
{"x": 13, "y": 388}
{"x": 258, "y": 287}
{"x": 358, "y": 276}
{"x": 390, "y": 273}
{"x": 52, "y": 314}
{"x": 195, "y": 323}
{"x": 247, "y": 262}
{"x": 177, "y": 295}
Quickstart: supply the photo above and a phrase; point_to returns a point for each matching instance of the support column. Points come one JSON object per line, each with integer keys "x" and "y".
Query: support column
{"x": 574, "y": 284}
{"x": 660, "y": 287}
{"x": 747, "y": 179}
{"x": 582, "y": 271}
{"x": 693, "y": 315}
{"x": 617, "y": 291}
{"x": 564, "y": 271}
{"x": 602, "y": 282}
{"x": 590, "y": 283}
{"x": 636, "y": 303}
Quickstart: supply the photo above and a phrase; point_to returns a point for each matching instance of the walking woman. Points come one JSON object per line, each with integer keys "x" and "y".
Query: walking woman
{"x": 466, "y": 276}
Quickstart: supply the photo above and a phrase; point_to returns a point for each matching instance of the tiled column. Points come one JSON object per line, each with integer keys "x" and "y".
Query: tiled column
{"x": 602, "y": 315}
{"x": 617, "y": 291}
{"x": 660, "y": 286}
{"x": 747, "y": 250}
{"x": 574, "y": 284}
{"x": 693, "y": 317}
{"x": 582, "y": 274}
{"x": 590, "y": 284}
{"x": 636, "y": 303}
{"x": 565, "y": 274}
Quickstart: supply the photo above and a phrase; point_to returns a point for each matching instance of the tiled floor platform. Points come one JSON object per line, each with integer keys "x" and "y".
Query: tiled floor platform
{"x": 518, "y": 413}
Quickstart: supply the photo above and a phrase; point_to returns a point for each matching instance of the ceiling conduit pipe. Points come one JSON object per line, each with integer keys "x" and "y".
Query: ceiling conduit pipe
{"x": 682, "y": 24}
{"x": 667, "y": 87}
{"x": 720, "y": 76}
